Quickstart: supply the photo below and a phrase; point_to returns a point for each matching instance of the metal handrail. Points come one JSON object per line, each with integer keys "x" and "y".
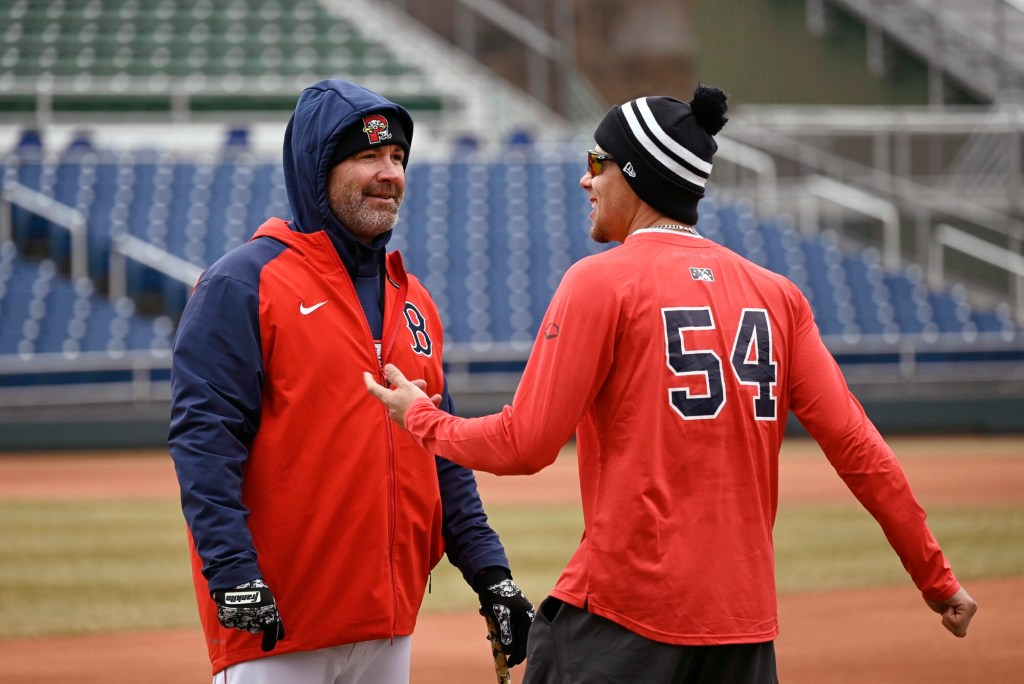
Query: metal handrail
{"x": 879, "y": 181}
{"x": 84, "y": 362}
{"x": 61, "y": 215}
{"x": 934, "y": 48}
{"x": 124, "y": 247}
{"x": 853, "y": 199}
{"x": 760, "y": 163}
{"x": 142, "y": 384}
{"x": 948, "y": 237}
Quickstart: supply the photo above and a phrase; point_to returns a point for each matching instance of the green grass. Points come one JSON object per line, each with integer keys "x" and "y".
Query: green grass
{"x": 79, "y": 567}
{"x": 838, "y": 548}
{"x": 539, "y": 542}
{"x": 817, "y": 548}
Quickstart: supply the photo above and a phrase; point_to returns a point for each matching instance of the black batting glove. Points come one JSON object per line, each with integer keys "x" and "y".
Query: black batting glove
{"x": 250, "y": 607}
{"x": 502, "y": 600}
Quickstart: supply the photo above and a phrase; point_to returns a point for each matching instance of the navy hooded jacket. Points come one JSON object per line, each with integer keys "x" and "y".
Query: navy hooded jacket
{"x": 219, "y": 378}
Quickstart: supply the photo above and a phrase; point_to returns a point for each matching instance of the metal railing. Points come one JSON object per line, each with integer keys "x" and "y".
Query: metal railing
{"x": 124, "y": 248}
{"x": 819, "y": 188}
{"x": 949, "y": 238}
{"x": 750, "y": 159}
{"x": 73, "y": 379}
{"x": 968, "y": 42}
{"x": 550, "y": 75}
{"x": 874, "y": 366}
{"x": 64, "y": 217}
{"x": 905, "y": 167}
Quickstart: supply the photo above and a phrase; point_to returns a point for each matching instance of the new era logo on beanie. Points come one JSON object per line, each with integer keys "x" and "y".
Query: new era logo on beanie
{"x": 668, "y": 146}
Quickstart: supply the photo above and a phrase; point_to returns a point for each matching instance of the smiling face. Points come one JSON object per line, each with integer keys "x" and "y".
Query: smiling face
{"x": 365, "y": 191}
{"x": 613, "y": 204}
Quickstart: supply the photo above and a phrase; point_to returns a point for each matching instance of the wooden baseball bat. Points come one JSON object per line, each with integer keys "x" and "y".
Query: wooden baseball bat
{"x": 500, "y": 662}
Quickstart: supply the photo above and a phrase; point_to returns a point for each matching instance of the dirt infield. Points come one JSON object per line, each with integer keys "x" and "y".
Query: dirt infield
{"x": 883, "y": 636}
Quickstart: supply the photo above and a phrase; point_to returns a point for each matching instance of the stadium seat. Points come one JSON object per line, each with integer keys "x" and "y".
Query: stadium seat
{"x": 491, "y": 241}
{"x": 102, "y": 38}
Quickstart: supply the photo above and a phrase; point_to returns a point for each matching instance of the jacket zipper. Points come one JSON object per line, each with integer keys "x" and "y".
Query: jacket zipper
{"x": 389, "y": 333}
{"x": 388, "y": 435}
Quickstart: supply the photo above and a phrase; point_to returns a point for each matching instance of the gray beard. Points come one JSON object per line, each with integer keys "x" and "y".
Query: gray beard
{"x": 364, "y": 222}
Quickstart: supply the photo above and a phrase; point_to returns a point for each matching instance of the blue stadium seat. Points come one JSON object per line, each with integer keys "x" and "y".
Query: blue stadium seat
{"x": 907, "y": 303}
{"x": 490, "y": 240}
{"x": 774, "y": 245}
{"x": 16, "y": 278}
{"x": 729, "y": 231}
{"x": 949, "y": 315}
{"x": 862, "y": 287}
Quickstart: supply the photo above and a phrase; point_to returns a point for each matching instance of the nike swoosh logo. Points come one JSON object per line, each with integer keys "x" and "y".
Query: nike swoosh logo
{"x": 306, "y": 310}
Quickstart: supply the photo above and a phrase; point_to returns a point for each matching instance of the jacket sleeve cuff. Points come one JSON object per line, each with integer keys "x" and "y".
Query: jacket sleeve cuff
{"x": 417, "y": 417}
{"x": 489, "y": 577}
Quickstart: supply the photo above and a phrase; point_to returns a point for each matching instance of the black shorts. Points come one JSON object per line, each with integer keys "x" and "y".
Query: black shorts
{"x": 571, "y": 646}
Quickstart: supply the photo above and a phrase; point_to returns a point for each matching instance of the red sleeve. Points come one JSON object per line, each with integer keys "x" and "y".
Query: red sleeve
{"x": 832, "y": 415}
{"x": 570, "y": 359}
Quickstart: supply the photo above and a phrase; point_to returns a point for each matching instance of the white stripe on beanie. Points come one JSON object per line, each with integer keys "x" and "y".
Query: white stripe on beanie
{"x": 655, "y": 151}
{"x": 669, "y": 142}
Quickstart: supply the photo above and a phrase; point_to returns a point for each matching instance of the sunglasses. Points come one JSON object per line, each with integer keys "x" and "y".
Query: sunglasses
{"x": 595, "y": 161}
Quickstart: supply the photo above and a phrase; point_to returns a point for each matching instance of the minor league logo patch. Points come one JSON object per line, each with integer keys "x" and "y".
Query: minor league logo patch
{"x": 376, "y": 128}
{"x": 704, "y": 274}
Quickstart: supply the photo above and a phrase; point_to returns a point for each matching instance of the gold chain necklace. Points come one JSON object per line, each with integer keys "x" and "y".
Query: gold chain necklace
{"x": 677, "y": 227}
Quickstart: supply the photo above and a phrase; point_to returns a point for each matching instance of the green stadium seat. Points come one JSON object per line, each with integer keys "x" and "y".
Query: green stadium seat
{"x": 85, "y": 43}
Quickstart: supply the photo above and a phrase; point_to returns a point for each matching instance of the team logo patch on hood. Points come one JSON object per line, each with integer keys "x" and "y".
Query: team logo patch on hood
{"x": 376, "y": 128}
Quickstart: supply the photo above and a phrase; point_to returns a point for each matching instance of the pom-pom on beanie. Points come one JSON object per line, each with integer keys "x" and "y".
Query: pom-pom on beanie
{"x": 664, "y": 147}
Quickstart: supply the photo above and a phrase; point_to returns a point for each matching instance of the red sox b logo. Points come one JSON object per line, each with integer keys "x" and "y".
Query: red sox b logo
{"x": 376, "y": 128}
{"x": 421, "y": 343}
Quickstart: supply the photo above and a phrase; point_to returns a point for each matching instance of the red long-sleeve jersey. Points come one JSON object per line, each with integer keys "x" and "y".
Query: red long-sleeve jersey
{"x": 676, "y": 363}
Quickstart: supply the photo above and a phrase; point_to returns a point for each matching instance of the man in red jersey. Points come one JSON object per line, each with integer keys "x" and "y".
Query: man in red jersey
{"x": 676, "y": 362}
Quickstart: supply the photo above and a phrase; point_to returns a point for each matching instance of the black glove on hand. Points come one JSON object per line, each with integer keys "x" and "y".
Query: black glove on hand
{"x": 250, "y": 607}
{"x": 501, "y": 599}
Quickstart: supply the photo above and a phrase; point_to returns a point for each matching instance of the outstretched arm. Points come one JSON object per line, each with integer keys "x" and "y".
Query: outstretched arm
{"x": 401, "y": 396}
{"x": 956, "y": 611}
{"x": 564, "y": 373}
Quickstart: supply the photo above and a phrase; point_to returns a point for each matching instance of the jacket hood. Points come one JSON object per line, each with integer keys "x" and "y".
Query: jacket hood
{"x": 324, "y": 111}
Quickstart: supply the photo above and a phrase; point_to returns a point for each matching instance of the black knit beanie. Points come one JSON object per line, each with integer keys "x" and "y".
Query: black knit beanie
{"x": 664, "y": 147}
{"x": 384, "y": 126}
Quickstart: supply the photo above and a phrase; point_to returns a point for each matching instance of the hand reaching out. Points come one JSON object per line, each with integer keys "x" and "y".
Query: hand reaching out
{"x": 402, "y": 394}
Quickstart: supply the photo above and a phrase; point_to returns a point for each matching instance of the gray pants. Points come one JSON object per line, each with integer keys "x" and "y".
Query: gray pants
{"x": 382, "y": 661}
{"x": 571, "y": 646}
